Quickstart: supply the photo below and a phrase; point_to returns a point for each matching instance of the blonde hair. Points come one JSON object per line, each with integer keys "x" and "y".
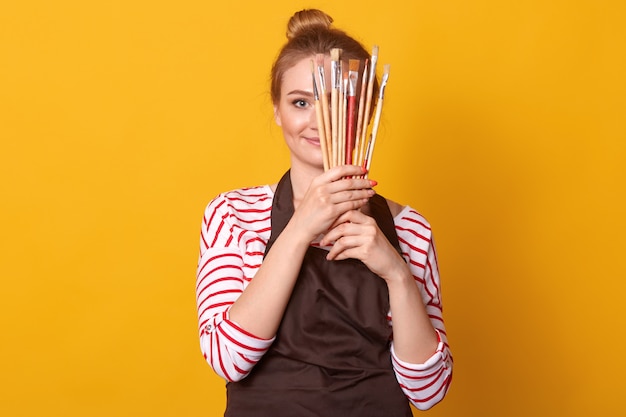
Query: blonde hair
{"x": 310, "y": 32}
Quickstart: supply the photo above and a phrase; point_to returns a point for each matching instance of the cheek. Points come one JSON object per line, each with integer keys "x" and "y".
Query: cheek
{"x": 293, "y": 121}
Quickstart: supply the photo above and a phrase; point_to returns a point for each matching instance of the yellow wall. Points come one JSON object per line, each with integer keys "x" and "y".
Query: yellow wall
{"x": 119, "y": 120}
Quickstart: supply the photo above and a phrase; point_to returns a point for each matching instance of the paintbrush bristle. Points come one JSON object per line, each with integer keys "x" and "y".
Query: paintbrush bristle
{"x": 319, "y": 60}
{"x": 354, "y": 64}
{"x": 334, "y": 54}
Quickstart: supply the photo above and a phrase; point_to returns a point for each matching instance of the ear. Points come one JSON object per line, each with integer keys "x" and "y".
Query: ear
{"x": 277, "y": 116}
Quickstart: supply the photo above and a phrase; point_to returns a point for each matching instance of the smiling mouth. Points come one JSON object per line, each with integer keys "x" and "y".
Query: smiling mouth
{"x": 314, "y": 141}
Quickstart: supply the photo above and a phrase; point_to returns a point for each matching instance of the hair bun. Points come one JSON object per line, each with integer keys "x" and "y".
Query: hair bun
{"x": 306, "y": 20}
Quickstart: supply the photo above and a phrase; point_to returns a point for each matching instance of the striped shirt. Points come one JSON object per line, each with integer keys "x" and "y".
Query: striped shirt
{"x": 235, "y": 230}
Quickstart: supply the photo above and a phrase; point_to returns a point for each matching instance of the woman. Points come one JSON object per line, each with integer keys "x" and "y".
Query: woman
{"x": 298, "y": 282}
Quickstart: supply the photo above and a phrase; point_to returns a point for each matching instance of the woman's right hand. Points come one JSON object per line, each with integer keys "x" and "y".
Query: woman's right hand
{"x": 330, "y": 195}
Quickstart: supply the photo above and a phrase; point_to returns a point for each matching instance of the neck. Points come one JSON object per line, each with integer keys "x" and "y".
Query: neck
{"x": 301, "y": 178}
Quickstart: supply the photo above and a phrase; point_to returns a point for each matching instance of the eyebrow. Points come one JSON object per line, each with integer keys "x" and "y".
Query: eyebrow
{"x": 300, "y": 93}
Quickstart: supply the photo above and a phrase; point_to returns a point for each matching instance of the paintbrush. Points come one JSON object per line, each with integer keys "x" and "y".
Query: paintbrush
{"x": 319, "y": 113}
{"x": 319, "y": 58}
{"x": 343, "y": 97}
{"x": 379, "y": 109}
{"x": 359, "y": 121}
{"x": 368, "y": 103}
{"x": 335, "y": 83}
{"x": 353, "y": 77}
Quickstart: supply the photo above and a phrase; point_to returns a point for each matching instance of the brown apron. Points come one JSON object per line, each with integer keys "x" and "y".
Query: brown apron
{"x": 331, "y": 354}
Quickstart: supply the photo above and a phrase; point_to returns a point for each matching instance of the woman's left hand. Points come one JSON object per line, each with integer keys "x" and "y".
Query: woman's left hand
{"x": 356, "y": 235}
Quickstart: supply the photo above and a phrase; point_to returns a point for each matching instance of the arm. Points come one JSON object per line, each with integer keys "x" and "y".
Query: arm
{"x": 425, "y": 383}
{"x": 237, "y": 321}
{"x": 224, "y": 268}
{"x": 260, "y": 308}
{"x": 420, "y": 354}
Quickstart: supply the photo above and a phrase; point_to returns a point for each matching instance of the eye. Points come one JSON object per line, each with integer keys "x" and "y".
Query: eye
{"x": 300, "y": 103}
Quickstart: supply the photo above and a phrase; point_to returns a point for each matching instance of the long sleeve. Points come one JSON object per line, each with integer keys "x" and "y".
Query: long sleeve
{"x": 424, "y": 384}
{"x": 232, "y": 243}
{"x": 235, "y": 230}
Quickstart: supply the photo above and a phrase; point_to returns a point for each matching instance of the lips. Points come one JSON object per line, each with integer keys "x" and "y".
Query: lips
{"x": 313, "y": 141}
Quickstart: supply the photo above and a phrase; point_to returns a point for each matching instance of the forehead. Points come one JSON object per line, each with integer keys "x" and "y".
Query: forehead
{"x": 298, "y": 77}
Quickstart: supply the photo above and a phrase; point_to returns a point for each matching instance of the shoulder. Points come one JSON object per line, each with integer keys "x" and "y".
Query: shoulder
{"x": 247, "y": 204}
{"x": 394, "y": 207}
{"x": 237, "y": 213}
{"x": 411, "y": 226}
{"x": 243, "y": 199}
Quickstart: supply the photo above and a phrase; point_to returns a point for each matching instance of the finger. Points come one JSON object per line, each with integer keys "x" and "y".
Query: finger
{"x": 351, "y": 195}
{"x": 343, "y": 171}
{"x": 342, "y": 219}
{"x": 341, "y": 230}
{"x": 332, "y": 236}
{"x": 343, "y": 248}
{"x": 352, "y": 216}
{"x": 348, "y": 184}
{"x": 338, "y": 249}
{"x": 339, "y": 209}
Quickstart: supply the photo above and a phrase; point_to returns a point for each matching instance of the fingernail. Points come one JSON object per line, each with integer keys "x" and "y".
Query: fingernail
{"x": 373, "y": 183}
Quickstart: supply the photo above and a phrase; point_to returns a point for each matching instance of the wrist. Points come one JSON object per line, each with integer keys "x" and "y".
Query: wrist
{"x": 296, "y": 235}
{"x": 399, "y": 277}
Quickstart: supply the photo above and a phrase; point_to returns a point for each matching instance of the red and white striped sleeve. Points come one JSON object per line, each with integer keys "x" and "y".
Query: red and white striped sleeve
{"x": 424, "y": 384}
{"x": 230, "y": 230}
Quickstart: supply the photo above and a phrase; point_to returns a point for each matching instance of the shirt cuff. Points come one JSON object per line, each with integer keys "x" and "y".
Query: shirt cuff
{"x": 431, "y": 362}
{"x": 241, "y": 340}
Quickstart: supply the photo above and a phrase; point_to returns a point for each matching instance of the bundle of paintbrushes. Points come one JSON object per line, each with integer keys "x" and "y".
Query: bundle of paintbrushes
{"x": 347, "y": 133}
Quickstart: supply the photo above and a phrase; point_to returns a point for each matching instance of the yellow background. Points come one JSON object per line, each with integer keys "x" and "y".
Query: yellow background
{"x": 119, "y": 121}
